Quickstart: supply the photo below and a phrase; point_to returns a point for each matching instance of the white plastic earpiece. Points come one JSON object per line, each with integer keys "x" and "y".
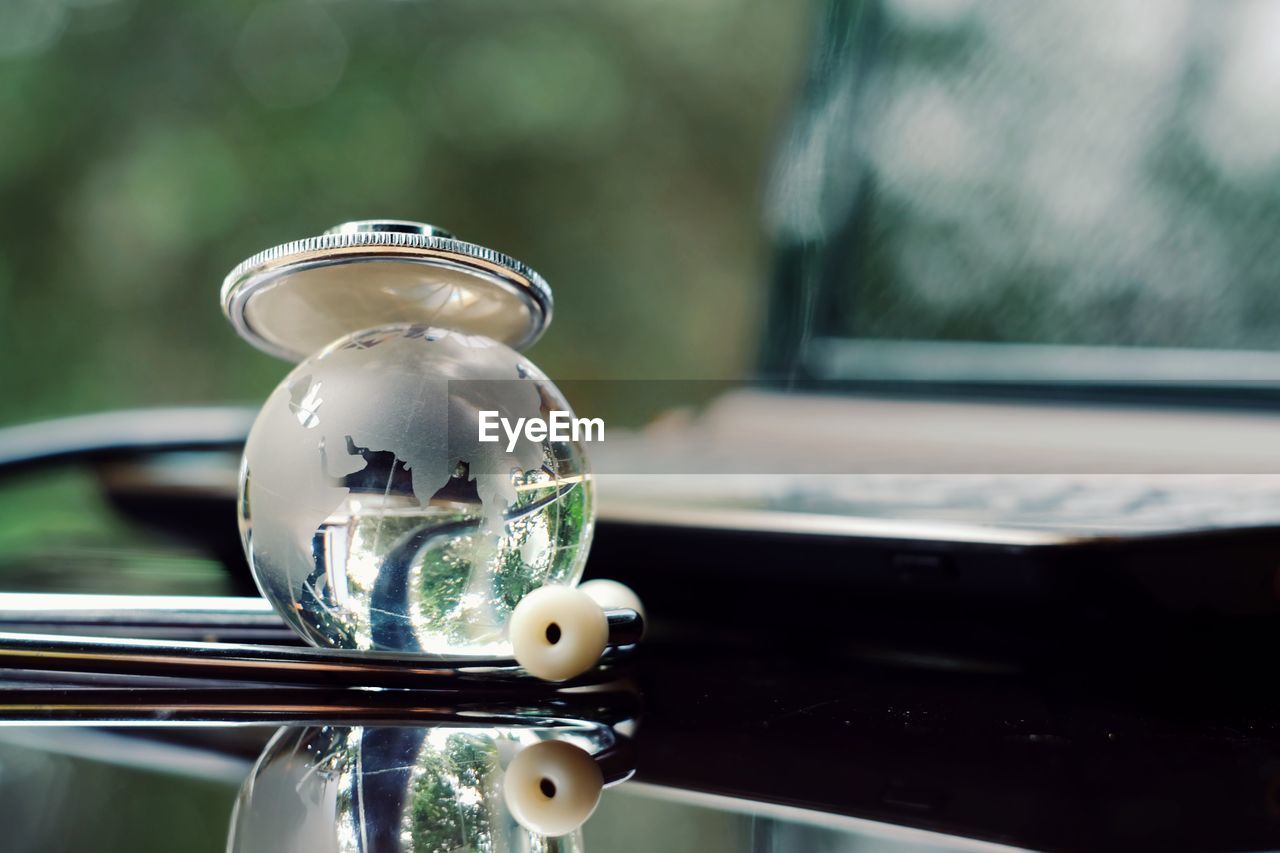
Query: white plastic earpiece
{"x": 557, "y": 632}
{"x": 552, "y": 787}
{"x": 611, "y": 595}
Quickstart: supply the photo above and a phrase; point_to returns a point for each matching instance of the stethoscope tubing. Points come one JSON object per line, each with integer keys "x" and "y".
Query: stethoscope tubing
{"x": 39, "y": 633}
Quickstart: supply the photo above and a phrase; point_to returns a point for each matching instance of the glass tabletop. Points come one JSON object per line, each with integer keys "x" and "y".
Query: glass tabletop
{"x": 696, "y": 749}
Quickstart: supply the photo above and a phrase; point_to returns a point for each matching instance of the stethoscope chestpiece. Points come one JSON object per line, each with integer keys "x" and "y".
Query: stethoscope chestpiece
{"x": 293, "y": 299}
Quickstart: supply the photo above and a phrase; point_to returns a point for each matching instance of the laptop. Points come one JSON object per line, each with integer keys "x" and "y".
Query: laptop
{"x": 1020, "y": 350}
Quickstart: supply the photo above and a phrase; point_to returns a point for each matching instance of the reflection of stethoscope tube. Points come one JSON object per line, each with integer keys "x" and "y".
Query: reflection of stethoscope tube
{"x": 410, "y": 788}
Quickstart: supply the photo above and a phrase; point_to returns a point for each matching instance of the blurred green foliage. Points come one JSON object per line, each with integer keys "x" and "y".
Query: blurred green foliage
{"x": 146, "y": 147}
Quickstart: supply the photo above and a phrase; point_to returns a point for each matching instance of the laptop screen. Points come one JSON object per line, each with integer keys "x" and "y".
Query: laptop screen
{"x": 1061, "y": 178}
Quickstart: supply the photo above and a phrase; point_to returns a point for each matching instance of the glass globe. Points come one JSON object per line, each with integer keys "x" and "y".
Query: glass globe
{"x": 374, "y": 517}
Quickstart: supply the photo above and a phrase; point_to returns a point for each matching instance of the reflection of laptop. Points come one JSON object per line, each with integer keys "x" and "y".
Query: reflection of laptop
{"x": 1029, "y": 269}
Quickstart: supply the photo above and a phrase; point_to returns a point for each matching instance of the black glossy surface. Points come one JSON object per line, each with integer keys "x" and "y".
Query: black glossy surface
{"x": 1112, "y": 758}
{"x": 1072, "y": 761}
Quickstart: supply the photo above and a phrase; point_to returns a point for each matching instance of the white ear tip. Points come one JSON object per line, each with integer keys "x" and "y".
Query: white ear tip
{"x": 557, "y": 632}
{"x": 610, "y": 594}
{"x": 552, "y": 787}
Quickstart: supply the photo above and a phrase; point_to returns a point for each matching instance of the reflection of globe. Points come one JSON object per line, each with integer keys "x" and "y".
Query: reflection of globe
{"x": 336, "y": 788}
{"x": 373, "y": 516}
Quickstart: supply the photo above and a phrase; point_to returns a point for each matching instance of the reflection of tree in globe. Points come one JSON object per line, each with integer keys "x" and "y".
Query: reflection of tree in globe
{"x": 373, "y": 516}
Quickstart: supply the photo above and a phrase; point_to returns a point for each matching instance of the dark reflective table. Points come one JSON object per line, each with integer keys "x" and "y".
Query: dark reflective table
{"x": 700, "y": 747}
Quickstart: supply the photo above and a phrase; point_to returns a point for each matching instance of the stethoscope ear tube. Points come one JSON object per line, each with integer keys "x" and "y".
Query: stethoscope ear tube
{"x": 56, "y": 646}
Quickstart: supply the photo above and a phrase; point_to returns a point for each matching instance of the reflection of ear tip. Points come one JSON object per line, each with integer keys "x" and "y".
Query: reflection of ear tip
{"x": 552, "y": 787}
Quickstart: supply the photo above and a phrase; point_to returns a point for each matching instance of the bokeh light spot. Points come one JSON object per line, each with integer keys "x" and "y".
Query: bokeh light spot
{"x": 290, "y": 53}
{"x": 28, "y": 27}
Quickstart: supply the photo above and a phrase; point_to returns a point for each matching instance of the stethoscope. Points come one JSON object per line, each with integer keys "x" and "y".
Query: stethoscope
{"x": 506, "y": 704}
{"x": 310, "y": 296}
{"x": 373, "y": 520}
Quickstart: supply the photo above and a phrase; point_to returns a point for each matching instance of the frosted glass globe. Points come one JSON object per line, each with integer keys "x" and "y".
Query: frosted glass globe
{"x": 374, "y": 518}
